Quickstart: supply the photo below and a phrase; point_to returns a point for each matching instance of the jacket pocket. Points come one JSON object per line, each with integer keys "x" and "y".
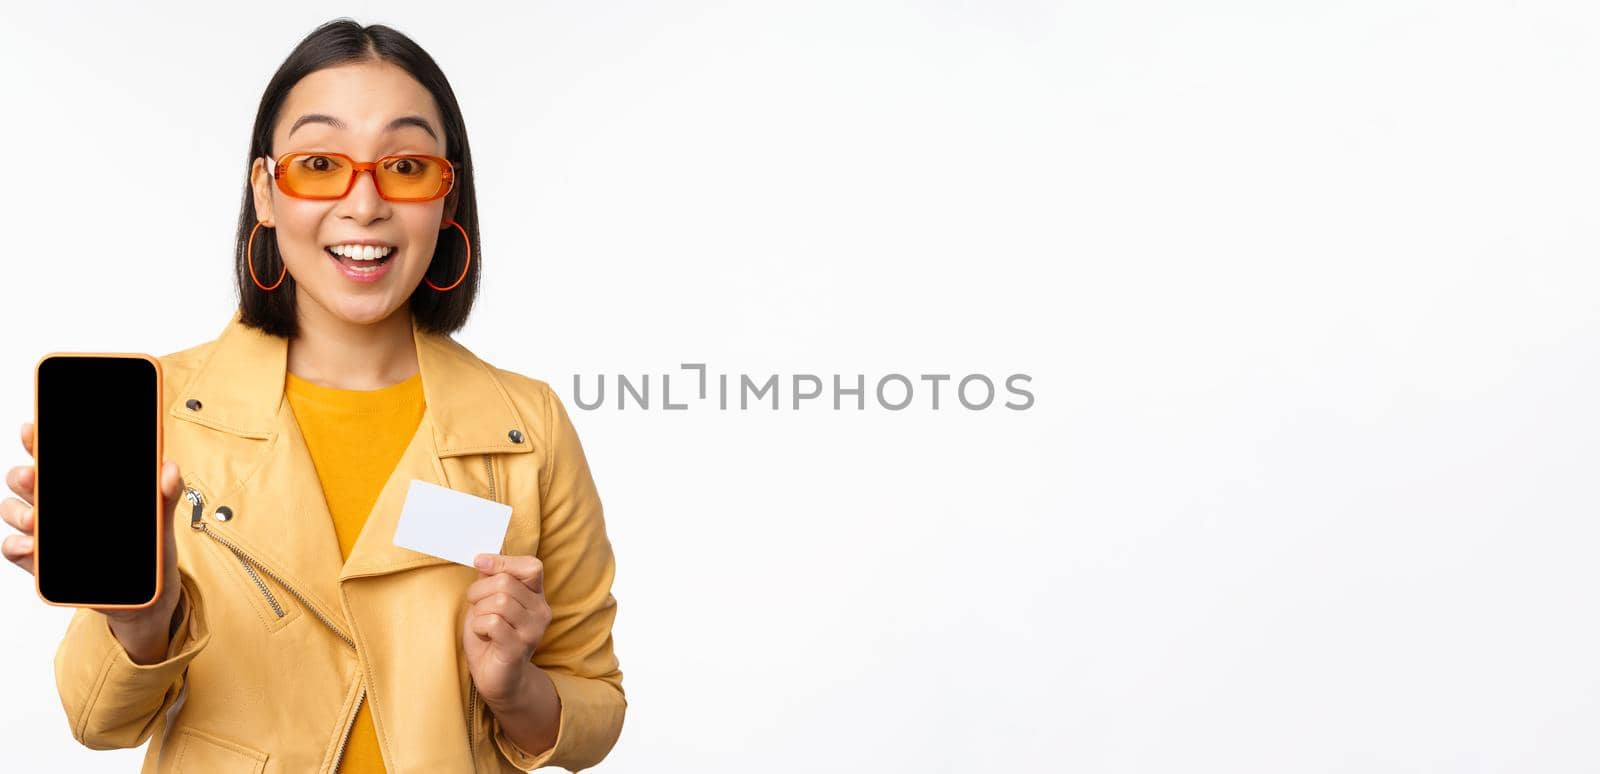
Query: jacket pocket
{"x": 202, "y": 753}
{"x": 273, "y": 606}
{"x": 269, "y": 601}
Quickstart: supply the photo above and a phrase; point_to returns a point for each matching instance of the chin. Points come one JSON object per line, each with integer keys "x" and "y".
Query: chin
{"x": 364, "y": 311}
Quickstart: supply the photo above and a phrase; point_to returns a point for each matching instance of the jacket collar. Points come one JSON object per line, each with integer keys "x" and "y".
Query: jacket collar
{"x": 239, "y": 389}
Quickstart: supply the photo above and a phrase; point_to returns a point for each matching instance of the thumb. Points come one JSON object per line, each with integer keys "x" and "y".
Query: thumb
{"x": 171, "y": 484}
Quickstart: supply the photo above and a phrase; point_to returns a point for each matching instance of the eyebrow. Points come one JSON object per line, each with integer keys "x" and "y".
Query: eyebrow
{"x": 403, "y": 121}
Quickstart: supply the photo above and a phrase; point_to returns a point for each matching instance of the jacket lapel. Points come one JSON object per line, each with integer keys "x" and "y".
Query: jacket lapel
{"x": 240, "y": 392}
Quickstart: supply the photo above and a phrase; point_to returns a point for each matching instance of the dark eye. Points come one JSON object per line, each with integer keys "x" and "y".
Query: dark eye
{"x": 408, "y": 166}
{"x": 319, "y": 163}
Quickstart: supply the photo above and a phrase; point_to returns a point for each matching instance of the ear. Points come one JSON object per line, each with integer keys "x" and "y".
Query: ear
{"x": 261, "y": 187}
{"x": 450, "y": 200}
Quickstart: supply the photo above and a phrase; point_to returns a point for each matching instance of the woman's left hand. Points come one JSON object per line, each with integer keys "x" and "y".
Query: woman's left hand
{"x": 503, "y": 627}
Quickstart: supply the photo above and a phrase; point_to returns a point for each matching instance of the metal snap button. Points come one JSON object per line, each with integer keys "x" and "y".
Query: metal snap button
{"x": 516, "y": 436}
{"x": 223, "y": 513}
{"x": 194, "y": 405}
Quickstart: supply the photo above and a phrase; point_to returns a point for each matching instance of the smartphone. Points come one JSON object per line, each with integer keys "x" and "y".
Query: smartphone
{"x": 97, "y": 484}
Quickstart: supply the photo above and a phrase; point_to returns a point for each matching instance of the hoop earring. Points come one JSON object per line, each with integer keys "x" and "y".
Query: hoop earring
{"x": 463, "y": 268}
{"x": 249, "y": 260}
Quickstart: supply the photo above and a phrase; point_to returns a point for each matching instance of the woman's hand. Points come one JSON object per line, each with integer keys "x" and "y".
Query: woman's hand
{"x": 504, "y": 625}
{"x": 143, "y": 632}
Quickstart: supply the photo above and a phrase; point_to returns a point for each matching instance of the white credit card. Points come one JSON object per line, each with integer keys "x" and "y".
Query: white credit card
{"x": 449, "y": 524}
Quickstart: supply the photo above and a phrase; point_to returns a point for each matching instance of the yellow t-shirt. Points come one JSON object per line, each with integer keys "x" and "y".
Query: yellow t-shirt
{"x": 355, "y": 438}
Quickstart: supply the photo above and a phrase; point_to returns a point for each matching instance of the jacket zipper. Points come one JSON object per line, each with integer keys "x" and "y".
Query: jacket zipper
{"x": 488, "y": 465}
{"x": 472, "y": 719}
{"x": 197, "y": 503}
{"x": 338, "y": 757}
{"x": 260, "y": 584}
{"x": 472, "y": 687}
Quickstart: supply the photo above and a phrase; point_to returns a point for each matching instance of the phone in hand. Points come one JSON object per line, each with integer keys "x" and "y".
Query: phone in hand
{"x": 97, "y": 484}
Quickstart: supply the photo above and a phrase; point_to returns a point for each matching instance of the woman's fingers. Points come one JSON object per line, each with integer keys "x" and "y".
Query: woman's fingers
{"x": 513, "y": 636}
{"x": 18, "y": 511}
{"x": 504, "y": 583}
{"x": 508, "y": 606}
{"x": 508, "y": 617}
{"x": 18, "y": 549}
{"x": 492, "y": 627}
{"x": 526, "y": 569}
{"x": 18, "y": 514}
{"x": 20, "y": 479}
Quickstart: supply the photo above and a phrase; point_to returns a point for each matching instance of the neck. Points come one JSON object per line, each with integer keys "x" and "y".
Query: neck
{"x": 337, "y": 353}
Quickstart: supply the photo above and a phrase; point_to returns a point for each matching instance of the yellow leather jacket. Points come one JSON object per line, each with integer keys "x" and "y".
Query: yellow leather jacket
{"x": 281, "y": 641}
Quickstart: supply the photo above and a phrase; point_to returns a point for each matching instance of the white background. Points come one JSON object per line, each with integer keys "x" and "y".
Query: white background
{"x": 1307, "y": 293}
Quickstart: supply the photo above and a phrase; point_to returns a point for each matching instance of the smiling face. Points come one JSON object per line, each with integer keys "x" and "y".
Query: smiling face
{"x": 364, "y": 111}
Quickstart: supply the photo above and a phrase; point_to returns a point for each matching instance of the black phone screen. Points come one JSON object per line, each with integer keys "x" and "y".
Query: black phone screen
{"x": 97, "y": 512}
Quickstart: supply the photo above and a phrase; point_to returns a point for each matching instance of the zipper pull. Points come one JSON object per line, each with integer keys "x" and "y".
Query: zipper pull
{"x": 198, "y": 506}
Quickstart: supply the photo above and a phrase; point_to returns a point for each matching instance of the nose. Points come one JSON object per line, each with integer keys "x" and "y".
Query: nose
{"x": 363, "y": 204}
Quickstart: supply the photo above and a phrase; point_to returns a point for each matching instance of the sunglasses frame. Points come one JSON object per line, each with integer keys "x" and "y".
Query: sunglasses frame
{"x": 446, "y": 183}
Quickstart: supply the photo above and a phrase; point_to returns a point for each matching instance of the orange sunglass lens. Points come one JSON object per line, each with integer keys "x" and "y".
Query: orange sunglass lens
{"x": 314, "y": 175}
{"x": 410, "y": 177}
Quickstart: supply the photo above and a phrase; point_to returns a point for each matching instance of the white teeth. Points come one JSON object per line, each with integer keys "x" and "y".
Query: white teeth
{"x": 361, "y": 252}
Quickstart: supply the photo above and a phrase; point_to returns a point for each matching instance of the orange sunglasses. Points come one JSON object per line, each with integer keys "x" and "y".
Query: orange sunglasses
{"x": 399, "y": 178}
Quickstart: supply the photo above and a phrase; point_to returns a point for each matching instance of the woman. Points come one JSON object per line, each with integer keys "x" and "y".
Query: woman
{"x": 294, "y": 635}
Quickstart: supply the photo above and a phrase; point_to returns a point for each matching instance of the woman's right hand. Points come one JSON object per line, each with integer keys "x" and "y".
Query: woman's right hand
{"x": 143, "y": 632}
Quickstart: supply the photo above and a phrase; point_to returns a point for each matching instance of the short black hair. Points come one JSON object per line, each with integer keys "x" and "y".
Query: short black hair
{"x": 338, "y": 42}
